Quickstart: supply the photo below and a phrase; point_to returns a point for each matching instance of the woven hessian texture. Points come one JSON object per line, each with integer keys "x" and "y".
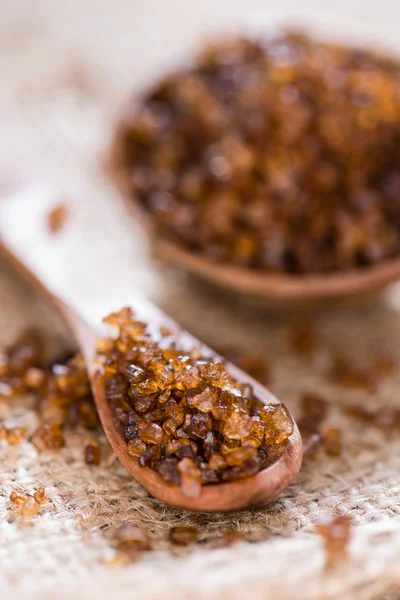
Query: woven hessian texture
{"x": 65, "y": 71}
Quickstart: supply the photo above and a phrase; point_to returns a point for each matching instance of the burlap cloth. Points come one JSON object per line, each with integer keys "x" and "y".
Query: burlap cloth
{"x": 64, "y": 69}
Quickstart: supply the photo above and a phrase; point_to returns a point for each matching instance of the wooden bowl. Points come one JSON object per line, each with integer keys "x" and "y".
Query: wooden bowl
{"x": 289, "y": 292}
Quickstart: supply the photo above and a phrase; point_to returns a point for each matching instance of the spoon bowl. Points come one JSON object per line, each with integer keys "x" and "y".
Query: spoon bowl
{"x": 63, "y": 268}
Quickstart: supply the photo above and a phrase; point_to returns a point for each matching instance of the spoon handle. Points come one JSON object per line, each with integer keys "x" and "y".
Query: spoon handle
{"x": 75, "y": 267}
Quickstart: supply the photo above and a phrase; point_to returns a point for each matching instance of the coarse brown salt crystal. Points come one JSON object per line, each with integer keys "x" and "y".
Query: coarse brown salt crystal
{"x": 26, "y": 352}
{"x": 118, "y": 560}
{"x": 303, "y": 337}
{"x": 229, "y": 538}
{"x": 246, "y": 469}
{"x": 170, "y": 427}
{"x": 314, "y": 406}
{"x": 163, "y": 377}
{"x": 278, "y": 422}
{"x": 220, "y": 412}
{"x": 384, "y": 363}
{"x": 166, "y": 331}
{"x": 175, "y": 411}
{"x": 57, "y": 218}
{"x": 237, "y": 456}
{"x": 151, "y": 456}
{"x": 132, "y": 536}
{"x": 168, "y": 469}
{"x": 228, "y": 445}
{"x": 144, "y": 403}
{"x": 136, "y": 448}
{"x": 119, "y": 318}
{"x": 190, "y": 478}
{"x": 34, "y": 378}
{"x": 18, "y": 498}
{"x": 256, "y": 365}
{"x": 173, "y": 446}
{"x": 238, "y": 426}
{"x": 83, "y": 413}
{"x": 189, "y": 378}
{"x": 336, "y": 536}
{"x": 359, "y": 411}
{"x": 148, "y": 387}
{"x": 200, "y": 425}
{"x": 105, "y": 345}
{"x": 256, "y": 435}
{"x": 216, "y": 462}
{"x": 92, "y": 453}
{"x": 150, "y": 433}
{"x": 347, "y": 375}
{"x": 16, "y": 435}
{"x": 183, "y": 535}
{"x": 205, "y": 401}
{"x": 215, "y": 373}
{"x": 332, "y": 440}
{"x": 40, "y": 496}
{"x": 48, "y": 437}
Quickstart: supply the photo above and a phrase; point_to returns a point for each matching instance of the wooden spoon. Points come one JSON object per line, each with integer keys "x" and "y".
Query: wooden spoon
{"x": 294, "y": 292}
{"x": 72, "y": 269}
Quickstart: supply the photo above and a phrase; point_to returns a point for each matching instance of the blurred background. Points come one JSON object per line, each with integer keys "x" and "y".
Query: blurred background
{"x": 67, "y": 66}
{"x": 67, "y": 70}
